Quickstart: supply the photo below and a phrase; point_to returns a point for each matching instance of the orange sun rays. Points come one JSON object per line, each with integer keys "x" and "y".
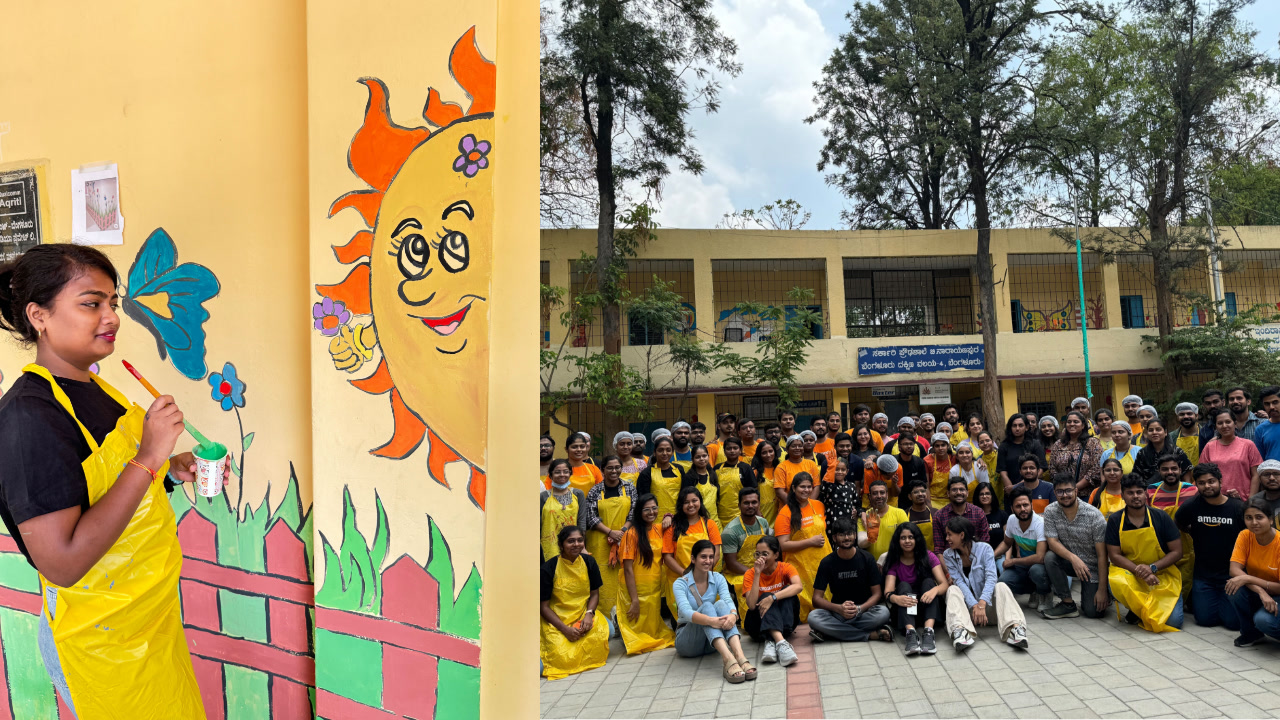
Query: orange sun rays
{"x": 378, "y": 150}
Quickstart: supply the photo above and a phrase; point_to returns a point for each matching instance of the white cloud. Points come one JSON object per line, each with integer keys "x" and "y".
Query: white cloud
{"x": 690, "y": 201}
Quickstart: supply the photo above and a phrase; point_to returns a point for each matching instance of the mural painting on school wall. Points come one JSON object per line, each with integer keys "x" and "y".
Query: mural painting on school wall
{"x": 408, "y": 635}
{"x": 414, "y": 307}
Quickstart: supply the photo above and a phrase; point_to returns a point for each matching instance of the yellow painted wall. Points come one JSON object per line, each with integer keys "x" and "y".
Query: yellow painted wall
{"x": 1251, "y": 275}
{"x": 1135, "y": 279}
{"x": 1048, "y": 283}
{"x": 765, "y": 281}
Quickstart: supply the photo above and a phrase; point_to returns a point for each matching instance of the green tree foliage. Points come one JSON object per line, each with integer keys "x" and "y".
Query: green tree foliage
{"x": 1226, "y": 346}
{"x": 1247, "y": 193}
{"x": 632, "y": 70}
{"x": 785, "y": 336}
{"x": 777, "y": 215}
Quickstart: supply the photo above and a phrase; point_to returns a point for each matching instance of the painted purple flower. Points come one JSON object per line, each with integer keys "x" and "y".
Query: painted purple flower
{"x": 330, "y": 316}
{"x": 474, "y": 157}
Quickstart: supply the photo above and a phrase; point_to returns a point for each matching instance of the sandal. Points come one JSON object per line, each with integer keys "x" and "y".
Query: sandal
{"x": 884, "y": 634}
{"x": 736, "y": 675}
{"x": 748, "y": 668}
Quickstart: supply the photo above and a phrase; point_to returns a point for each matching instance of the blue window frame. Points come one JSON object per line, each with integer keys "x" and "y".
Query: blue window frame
{"x": 1131, "y": 314}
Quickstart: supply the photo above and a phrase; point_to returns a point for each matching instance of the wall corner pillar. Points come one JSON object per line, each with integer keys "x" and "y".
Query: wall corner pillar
{"x": 837, "y": 326}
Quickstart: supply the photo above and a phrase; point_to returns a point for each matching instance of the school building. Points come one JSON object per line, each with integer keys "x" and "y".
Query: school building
{"x": 901, "y": 321}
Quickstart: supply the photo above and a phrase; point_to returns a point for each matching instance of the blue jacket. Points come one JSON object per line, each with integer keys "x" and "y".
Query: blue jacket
{"x": 981, "y": 583}
{"x": 685, "y": 591}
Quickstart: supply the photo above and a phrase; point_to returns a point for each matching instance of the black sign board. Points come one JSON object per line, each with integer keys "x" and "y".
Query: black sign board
{"x": 19, "y": 213}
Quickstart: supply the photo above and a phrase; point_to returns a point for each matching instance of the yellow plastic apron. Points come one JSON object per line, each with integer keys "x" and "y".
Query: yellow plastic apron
{"x": 613, "y": 512}
{"x": 665, "y": 490}
{"x": 746, "y": 556}
{"x": 1190, "y": 445}
{"x": 710, "y": 496}
{"x": 554, "y": 517}
{"x": 806, "y": 561}
{"x": 768, "y": 498}
{"x": 926, "y": 529}
{"x": 1187, "y": 564}
{"x": 584, "y": 478}
{"x": 1153, "y": 605}
{"x": 730, "y": 479}
{"x": 118, "y": 631}
{"x": 1109, "y": 503}
{"x": 648, "y": 632}
{"x": 561, "y": 658}
{"x": 683, "y": 555}
{"x": 938, "y": 485}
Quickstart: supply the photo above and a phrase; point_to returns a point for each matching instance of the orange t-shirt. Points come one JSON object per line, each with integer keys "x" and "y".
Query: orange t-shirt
{"x": 707, "y": 529}
{"x": 875, "y": 438}
{"x": 1260, "y": 561}
{"x": 749, "y": 452}
{"x": 782, "y": 525}
{"x": 870, "y": 476}
{"x": 828, "y": 445}
{"x": 786, "y": 470}
{"x": 628, "y": 550}
{"x": 585, "y": 477}
{"x": 770, "y": 582}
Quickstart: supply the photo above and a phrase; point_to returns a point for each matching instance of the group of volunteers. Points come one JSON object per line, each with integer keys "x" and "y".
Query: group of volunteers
{"x": 871, "y": 533}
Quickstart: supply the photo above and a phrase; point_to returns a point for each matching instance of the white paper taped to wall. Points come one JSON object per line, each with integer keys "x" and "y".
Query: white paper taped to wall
{"x": 96, "y": 218}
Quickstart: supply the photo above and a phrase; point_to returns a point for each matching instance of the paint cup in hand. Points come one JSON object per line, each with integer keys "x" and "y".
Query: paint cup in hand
{"x": 211, "y": 462}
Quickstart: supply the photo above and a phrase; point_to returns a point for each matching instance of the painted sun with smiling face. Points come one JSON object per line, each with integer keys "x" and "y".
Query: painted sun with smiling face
{"x": 423, "y": 271}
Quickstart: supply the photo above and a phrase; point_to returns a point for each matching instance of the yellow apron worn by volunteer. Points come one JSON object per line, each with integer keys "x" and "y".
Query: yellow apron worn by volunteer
{"x": 648, "y": 632}
{"x": 926, "y": 529}
{"x": 730, "y": 479}
{"x": 561, "y": 658}
{"x": 1109, "y": 503}
{"x": 768, "y": 498}
{"x": 1186, "y": 565}
{"x": 585, "y": 477}
{"x": 938, "y": 483}
{"x": 1153, "y": 605}
{"x": 118, "y": 631}
{"x": 554, "y": 517}
{"x": 684, "y": 555}
{"x": 746, "y": 556}
{"x": 812, "y": 524}
{"x": 710, "y": 496}
{"x": 613, "y": 512}
{"x": 664, "y": 489}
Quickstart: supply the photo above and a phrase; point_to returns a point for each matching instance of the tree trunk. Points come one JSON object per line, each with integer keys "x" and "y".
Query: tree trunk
{"x": 992, "y": 400}
{"x": 1162, "y": 279}
{"x": 611, "y": 314}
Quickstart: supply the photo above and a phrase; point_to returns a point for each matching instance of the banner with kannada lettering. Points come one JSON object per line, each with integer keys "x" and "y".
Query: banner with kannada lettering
{"x": 887, "y": 360}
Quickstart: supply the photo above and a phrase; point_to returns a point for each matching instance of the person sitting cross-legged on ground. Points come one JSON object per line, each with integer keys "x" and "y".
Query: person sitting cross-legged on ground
{"x": 1023, "y": 550}
{"x": 1075, "y": 533}
{"x": 572, "y": 641}
{"x": 1254, "y": 586}
{"x": 975, "y": 597}
{"x": 773, "y": 602}
{"x": 1214, "y": 522}
{"x": 854, "y": 612}
{"x": 914, "y": 583}
{"x": 1144, "y": 547}
{"x": 706, "y": 617}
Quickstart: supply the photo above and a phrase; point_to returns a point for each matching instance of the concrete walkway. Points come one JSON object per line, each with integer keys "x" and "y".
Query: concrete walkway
{"x": 1075, "y": 668}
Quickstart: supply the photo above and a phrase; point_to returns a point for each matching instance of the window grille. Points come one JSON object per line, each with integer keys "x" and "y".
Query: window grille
{"x": 935, "y": 297}
{"x": 767, "y": 282}
{"x": 1045, "y": 292}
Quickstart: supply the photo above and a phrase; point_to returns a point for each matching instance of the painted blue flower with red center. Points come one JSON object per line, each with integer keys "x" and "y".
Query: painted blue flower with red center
{"x": 474, "y": 157}
{"x": 227, "y": 388}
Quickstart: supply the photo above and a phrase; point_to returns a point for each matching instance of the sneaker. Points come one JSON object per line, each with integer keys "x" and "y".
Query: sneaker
{"x": 770, "y": 653}
{"x": 927, "y": 646}
{"x": 961, "y": 640}
{"x": 1062, "y": 610}
{"x": 913, "y": 642}
{"x": 816, "y": 636}
{"x": 1018, "y": 637}
{"x": 1243, "y": 642}
{"x": 1046, "y": 602}
{"x": 1033, "y": 601}
{"x": 786, "y": 654}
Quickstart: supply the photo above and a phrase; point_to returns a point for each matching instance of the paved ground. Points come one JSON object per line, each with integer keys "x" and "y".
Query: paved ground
{"x": 1075, "y": 668}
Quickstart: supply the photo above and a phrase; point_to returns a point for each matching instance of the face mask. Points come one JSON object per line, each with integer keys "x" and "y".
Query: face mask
{"x": 560, "y": 486}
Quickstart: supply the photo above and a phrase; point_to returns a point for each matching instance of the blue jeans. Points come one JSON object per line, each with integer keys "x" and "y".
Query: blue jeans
{"x": 49, "y": 651}
{"x": 1212, "y": 605}
{"x": 693, "y": 640}
{"x": 1176, "y": 617}
{"x": 1022, "y": 579}
{"x": 1255, "y": 621}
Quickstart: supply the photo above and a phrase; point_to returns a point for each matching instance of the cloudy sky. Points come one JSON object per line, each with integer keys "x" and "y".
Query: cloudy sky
{"x": 758, "y": 147}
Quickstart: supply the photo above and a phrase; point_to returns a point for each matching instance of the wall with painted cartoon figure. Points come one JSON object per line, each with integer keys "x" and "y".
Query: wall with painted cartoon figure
{"x": 308, "y": 194}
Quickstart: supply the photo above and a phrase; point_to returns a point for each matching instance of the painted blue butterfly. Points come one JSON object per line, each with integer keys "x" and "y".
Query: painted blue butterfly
{"x": 168, "y": 300}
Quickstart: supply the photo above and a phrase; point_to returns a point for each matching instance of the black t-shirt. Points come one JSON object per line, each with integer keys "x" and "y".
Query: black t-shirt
{"x": 850, "y": 579}
{"x": 1009, "y": 456}
{"x": 41, "y": 448}
{"x": 548, "y": 575}
{"x": 1166, "y": 530}
{"x": 1213, "y": 529}
{"x": 913, "y": 471}
{"x": 995, "y": 523}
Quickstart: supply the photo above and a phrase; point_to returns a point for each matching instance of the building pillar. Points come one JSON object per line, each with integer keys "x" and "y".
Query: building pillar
{"x": 1119, "y": 389}
{"x": 840, "y": 396}
{"x": 704, "y": 301}
{"x": 560, "y": 433}
{"x": 559, "y": 277}
{"x": 1000, "y": 269}
{"x": 836, "y": 326}
{"x": 707, "y": 412}
{"x": 1111, "y": 295}
{"x": 1009, "y": 397}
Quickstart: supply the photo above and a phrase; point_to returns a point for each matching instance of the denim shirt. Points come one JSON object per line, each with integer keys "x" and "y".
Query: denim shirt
{"x": 982, "y": 572}
{"x": 687, "y": 599}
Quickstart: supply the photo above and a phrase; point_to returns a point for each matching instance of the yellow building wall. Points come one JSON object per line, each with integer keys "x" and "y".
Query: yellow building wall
{"x": 1049, "y": 292}
{"x": 764, "y": 281}
{"x": 1135, "y": 279}
{"x": 1251, "y": 275}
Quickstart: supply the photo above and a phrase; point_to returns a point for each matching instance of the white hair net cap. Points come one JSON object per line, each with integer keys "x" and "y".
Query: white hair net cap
{"x": 1183, "y": 407}
{"x": 946, "y": 425}
{"x": 1269, "y": 465}
{"x": 939, "y": 437}
{"x": 681, "y": 424}
{"x": 808, "y": 433}
{"x": 879, "y": 415}
{"x": 1131, "y": 398}
{"x": 1051, "y": 419}
{"x": 1154, "y": 412}
{"x": 887, "y": 463}
{"x": 1079, "y": 400}
{"x": 927, "y": 415}
{"x": 637, "y": 437}
{"x": 624, "y": 435}
{"x": 658, "y": 433}
{"x": 795, "y": 438}
{"x": 906, "y": 421}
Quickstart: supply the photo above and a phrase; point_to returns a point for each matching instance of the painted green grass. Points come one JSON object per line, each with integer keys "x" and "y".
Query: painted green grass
{"x": 30, "y": 690}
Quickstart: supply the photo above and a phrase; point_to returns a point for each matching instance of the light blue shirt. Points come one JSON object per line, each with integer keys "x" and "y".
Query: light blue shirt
{"x": 982, "y": 572}
{"x": 688, "y": 600}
